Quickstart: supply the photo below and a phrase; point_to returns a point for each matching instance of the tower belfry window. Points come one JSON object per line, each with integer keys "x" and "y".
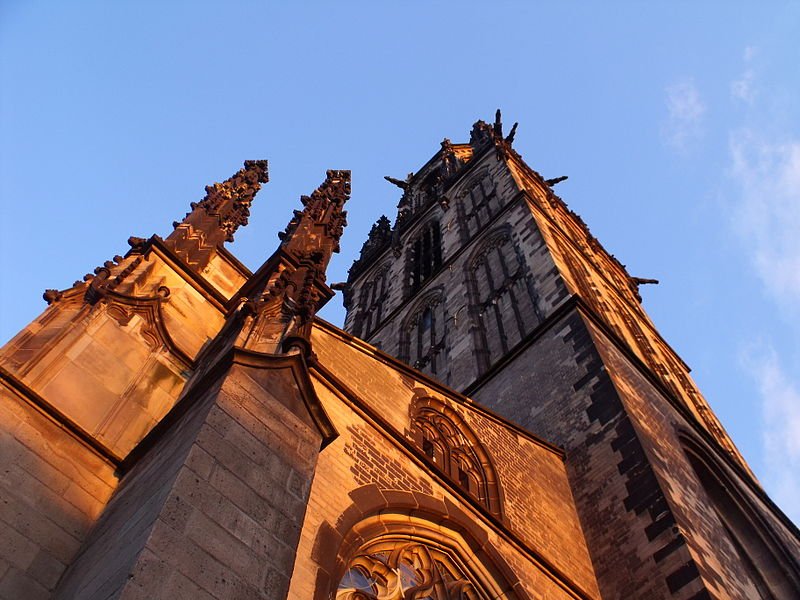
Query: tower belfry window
{"x": 425, "y": 257}
{"x": 479, "y": 203}
{"x": 502, "y": 300}
{"x": 423, "y": 334}
{"x": 371, "y": 303}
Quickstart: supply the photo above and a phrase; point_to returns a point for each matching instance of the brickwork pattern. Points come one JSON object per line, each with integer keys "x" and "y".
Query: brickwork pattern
{"x": 370, "y": 465}
{"x": 709, "y": 555}
{"x": 532, "y": 477}
{"x": 558, "y": 388}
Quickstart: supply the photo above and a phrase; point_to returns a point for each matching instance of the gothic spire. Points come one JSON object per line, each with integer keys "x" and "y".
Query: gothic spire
{"x": 214, "y": 220}
{"x": 318, "y": 227}
{"x": 282, "y": 313}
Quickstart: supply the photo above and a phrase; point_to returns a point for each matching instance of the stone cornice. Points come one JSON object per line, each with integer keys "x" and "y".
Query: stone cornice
{"x": 77, "y": 432}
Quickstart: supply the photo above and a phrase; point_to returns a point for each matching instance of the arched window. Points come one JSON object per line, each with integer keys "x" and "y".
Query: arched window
{"x": 502, "y": 299}
{"x": 424, "y": 256}
{"x": 478, "y": 203}
{"x": 371, "y": 303}
{"x": 405, "y": 553}
{"x": 771, "y": 568}
{"x": 446, "y": 439}
{"x": 423, "y": 335}
{"x": 406, "y": 571}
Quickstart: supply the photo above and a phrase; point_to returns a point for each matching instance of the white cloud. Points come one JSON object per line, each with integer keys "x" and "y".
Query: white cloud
{"x": 764, "y": 209}
{"x": 766, "y": 214}
{"x": 685, "y": 115}
{"x": 743, "y": 88}
{"x": 780, "y": 399}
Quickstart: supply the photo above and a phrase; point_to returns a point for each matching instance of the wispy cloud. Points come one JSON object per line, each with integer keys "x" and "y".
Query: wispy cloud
{"x": 766, "y": 213}
{"x": 780, "y": 398}
{"x": 743, "y": 88}
{"x": 764, "y": 208}
{"x": 685, "y": 115}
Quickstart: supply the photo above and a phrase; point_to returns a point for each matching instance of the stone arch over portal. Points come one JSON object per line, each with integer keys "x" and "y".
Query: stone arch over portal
{"x": 379, "y": 517}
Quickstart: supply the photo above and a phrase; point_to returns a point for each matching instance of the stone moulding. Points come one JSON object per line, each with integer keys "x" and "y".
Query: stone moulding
{"x": 122, "y": 308}
{"x": 294, "y": 362}
{"x": 387, "y": 498}
{"x": 27, "y": 395}
{"x": 375, "y": 512}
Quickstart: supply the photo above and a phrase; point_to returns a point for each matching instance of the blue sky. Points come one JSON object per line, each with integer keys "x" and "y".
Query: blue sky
{"x": 678, "y": 125}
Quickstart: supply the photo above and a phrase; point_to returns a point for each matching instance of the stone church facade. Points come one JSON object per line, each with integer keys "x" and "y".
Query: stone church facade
{"x": 499, "y": 417}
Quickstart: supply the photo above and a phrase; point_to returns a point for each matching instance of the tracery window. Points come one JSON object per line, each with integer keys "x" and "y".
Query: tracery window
{"x": 422, "y": 335}
{"x": 412, "y": 553}
{"x": 371, "y": 303}
{"x": 479, "y": 203}
{"x": 424, "y": 256}
{"x": 448, "y": 441}
{"x": 406, "y": 571}
{"x": 502, "y": 299}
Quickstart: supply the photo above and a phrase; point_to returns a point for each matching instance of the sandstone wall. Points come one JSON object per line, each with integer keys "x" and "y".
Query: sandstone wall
{"x": 53, "y": 486}
{"x": 374, "y": 467}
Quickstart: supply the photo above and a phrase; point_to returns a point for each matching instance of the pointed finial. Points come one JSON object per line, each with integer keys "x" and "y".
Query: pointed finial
{"x": 498, "y": 124}
{"x": 511, "y": 134}
{"x": 321, "y": 222}
{"x": 296, "y": 288}
{"x": 214, "y": 220}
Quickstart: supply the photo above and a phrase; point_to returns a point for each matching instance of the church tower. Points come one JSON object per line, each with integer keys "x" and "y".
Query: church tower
{"x": 488, "y": 283}
{"x": 174, "y": 425}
